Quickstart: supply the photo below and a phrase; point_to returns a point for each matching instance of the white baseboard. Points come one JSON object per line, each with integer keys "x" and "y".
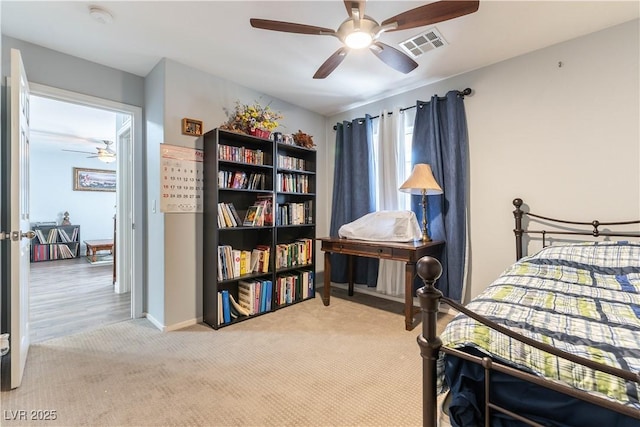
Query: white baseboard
{"x": 154, "y": 321}
{"x": 173, "y": 327}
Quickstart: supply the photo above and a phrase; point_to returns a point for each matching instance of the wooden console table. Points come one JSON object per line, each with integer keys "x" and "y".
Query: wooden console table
{"x": 409, "y": 252}
{"x": 94, "y": 246}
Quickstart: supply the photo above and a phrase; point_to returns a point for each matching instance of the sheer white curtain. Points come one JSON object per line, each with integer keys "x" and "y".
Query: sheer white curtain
{"x": 390, "y": 174}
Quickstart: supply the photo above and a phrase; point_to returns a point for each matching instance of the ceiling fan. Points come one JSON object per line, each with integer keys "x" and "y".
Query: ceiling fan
{"x": 104, "y": 154}
{"x": 361, "y": 31}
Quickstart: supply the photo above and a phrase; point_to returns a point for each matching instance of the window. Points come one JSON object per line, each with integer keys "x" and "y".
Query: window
{"x": 404, "y": 169}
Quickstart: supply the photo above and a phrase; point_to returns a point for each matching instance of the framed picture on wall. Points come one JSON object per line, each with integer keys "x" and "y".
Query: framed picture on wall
{"x": 191, "y": 127}
{"x": 94, "y": 179}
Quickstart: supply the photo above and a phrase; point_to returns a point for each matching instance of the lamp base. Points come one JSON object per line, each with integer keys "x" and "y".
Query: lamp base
{"x": 425, "y": 233}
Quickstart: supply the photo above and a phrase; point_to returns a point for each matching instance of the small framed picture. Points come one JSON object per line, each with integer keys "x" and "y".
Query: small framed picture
{"x": 191, "y": 127}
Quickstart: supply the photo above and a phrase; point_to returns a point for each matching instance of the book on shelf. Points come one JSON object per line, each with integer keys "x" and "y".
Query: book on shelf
{"x": 226, "y": 216}
{"x": 245, "y": 260}
{"x": 268, "y": 297}
{"x": 225, "y": 262}
{"x": 266, "y": 201}
{"x": 246, "y": 295}
{"x": 40, "y": 236}
{"x": 64, "y": 237}
{"x": 263, "y": 296}
{"x": 239, "y": 309}
{"x": 236, "y": 262}
{"x": 257, "y": 287}
{"x": 225, "y": 306}
{"x": 239, "y": 180}
{"x": 252, "y": 218}
{"x": 266, "y": 251}
{"x": 255, "y": 261}
{"x": 234, "y": 214}
{"x": 52, "y": 237}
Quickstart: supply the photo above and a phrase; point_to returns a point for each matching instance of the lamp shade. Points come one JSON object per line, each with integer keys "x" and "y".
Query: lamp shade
{"x": 421, "y": 178}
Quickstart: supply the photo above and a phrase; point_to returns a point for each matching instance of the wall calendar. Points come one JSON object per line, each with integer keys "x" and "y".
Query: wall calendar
{"x": 181, "y": 178}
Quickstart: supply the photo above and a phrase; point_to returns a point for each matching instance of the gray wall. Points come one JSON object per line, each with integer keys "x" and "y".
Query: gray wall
{"x": 154, "y": 113}
{"x": 565, "y": 139}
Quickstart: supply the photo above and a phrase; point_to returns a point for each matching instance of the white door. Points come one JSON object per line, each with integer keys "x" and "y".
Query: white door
{"x": 20, "y": 234}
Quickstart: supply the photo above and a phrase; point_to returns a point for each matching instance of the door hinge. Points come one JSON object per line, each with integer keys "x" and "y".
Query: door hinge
{"x": 4, "y": 235}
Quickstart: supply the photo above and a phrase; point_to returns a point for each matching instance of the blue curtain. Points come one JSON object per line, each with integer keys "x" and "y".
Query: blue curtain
{"x": 440, "y": 139}
{"x": 353, "y": 195}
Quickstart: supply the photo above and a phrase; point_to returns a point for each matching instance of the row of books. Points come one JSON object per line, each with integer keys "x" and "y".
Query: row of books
{"x": 56, "y": 235}
{"x": 295, "y": 213}
{"x": 54, "y": 251}
{"x": 240, "y": 154}
{"x": 234, "y": 263}
{"x": 253, "y": 298}
{"x": 241, "y": 181}
{"x": 294, "y": 287}
{"x": 257, "y": 215}
{"x": 294, "y": 254}
{"x": 292, "y": 183}
{"x": 287, "y": 162}
{"x": 228, "y": 216}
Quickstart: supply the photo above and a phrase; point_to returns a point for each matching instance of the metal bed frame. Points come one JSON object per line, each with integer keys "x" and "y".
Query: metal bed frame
{"x": 429, "y": 270}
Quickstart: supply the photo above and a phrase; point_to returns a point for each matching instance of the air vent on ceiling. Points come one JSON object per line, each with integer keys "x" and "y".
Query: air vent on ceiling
{"x": 422, "y": 43}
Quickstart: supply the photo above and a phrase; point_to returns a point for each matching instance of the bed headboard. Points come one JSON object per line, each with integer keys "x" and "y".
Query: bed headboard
{"x": 565, "y": 227}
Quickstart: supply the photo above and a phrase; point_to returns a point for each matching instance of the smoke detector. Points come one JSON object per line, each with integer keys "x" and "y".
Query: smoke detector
{"x": 100, "y": 15}
{"x": 423, "y": 43}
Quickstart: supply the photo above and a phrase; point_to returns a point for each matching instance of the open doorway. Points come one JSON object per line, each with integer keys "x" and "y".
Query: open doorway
{"x": 78, "y": 180}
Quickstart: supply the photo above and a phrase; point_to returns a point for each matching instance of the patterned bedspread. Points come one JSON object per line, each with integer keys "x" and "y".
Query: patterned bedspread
{"x": 580, "y": 298}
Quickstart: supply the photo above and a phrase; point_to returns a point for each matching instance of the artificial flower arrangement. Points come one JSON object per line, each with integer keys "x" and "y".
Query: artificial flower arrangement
{"x": 252, "y": 119}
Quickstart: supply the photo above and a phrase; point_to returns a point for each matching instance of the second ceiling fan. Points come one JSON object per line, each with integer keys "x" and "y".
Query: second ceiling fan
{"x": 105, "y": 154}
{"x": 361, "y": 31}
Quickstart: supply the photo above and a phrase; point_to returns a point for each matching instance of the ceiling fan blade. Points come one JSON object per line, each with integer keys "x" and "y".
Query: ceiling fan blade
{"x": 393, "y": 57}
{"x": 432, "y": 13}
{"x": 331, "y": 63}
{"x": 290, "y": 27}
{"x": 350, "y": 5}
{"x": 78, "y": 151}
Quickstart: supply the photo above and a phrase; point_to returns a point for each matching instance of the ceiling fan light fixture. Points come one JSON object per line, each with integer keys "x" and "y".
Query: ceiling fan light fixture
{"x": 358, "y": 40}
{"x": 107, "y": 158}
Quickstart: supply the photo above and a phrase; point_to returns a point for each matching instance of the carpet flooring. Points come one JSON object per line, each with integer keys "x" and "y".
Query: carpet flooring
{"x": 348, "y": 364}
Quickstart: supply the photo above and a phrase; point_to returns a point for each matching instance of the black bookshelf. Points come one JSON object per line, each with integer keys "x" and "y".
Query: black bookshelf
{"x": 55, "y": 242}
{"x": 241, "y": 171}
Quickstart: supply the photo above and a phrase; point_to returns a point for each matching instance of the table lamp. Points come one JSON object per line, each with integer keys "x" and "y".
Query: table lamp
{"x": 422, "y": 182}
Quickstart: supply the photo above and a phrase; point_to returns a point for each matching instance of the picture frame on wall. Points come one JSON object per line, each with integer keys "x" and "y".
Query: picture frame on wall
{"x": 191, "y": 127}
{"x": 94, "y": 179}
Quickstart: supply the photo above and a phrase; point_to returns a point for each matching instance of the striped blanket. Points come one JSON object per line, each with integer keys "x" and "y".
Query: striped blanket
{"x": 581, "y": 298}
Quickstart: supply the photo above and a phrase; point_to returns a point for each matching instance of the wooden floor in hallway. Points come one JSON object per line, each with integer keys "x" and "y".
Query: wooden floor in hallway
{"x": 71, "y": 296}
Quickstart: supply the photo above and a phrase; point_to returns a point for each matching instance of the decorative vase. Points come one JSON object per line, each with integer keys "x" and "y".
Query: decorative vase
{"x": 260, "y": 133}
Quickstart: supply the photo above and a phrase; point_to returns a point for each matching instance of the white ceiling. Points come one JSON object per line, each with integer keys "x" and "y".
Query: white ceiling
{"x": 58, "y": 125}
{"x": 215, "y": 37}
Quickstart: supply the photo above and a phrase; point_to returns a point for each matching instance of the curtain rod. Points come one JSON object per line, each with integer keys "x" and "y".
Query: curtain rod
{"x": 463, "y": 93}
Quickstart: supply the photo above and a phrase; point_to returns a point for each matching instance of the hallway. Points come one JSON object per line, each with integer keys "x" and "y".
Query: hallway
{"x": 70, "y": 296}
